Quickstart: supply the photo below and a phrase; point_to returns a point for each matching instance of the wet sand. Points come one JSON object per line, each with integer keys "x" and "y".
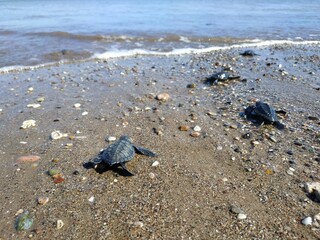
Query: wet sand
{"x": 201, "y": 183}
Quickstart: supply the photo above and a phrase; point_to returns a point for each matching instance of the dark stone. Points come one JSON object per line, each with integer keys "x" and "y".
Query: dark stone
{"x": 290, "y": 152}
{"x": 247, "y": 135}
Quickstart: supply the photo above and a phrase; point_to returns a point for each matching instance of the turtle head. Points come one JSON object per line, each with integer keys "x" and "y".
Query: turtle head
{"x": 126, "y": 138}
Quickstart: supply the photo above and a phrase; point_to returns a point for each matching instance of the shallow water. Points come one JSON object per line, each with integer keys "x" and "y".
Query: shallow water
{"x": 37, "y": 31}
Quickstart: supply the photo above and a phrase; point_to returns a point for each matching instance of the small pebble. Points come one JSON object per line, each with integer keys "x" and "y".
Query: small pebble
{"x": 24, "y": 221}
{"x": 30, "y": 158}
{"x": 77, "y": 105}
{"x": 195, "y": 134}
{"x": 42, "y": 200}
{"x": 84, "y": 113}
{"x": 289, "y": 172}
{"x": 30, "y": 89}
{"x": 163, "y": 97}
{"x": 307, "y": 221}
{"x": 138, "y": 224}
{"x": 197, "y": 128}
{"x": 60, "y": 224}
{"x": 34, "y": 105}
{"x": 91, "y": 199}
{"x": 152, "y": 175}
{"x": 155, "y": 164}
{"x": 184, "y": 128}
{"x": 40, "y": 99}
{"x": 219, "y": 148}
{"x": 242, "y": 216}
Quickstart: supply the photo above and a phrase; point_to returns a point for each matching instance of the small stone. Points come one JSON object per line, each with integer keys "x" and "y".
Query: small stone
{"x": 195, "y": 134}
{"x": 84, "y": 113}
{"x": 19, "y": 212}
{"x": 57, "y": 135}
{"x": 317, "y": 217}
{"x": 290, "y": 172}
{"x": 111, "y": 139}
{"x": 139, "y": 224}
{"x": 155, "y": 164}
{"x": 255, "y": 142}
{"x": 242, "y": 216}
{"x": 28, "y": 124}
{"x": 290, "y": 152}
{"x": 184, "y": 128}
{"x": 24, "y": 222}
{"x": 307, "y": 221}
{"x": 42, "y": 200}
{"x": 236, "y": 209}
{"x": 273, "y": 139}
{"x": 34, "y": 105}
{"x": 191, "y": 85}
{"x": 30, "y": 158}
{"x": 30, "y": 89}
{"x": 152, "y": 175}
{"x": 219, "y": 148}
{"x": 197, "y": 128}
{"x": 77, "y": 105}
{"x": 247, "y": 135}
{"x": 298, "y": 143}
{"x": 60, "y": 224}
{"x": 233, "y": 126}
{"x": 163, "y": 97}
{"x": 91, "y": 199}
{"x": 40, "y": 99}
{"x": 313, "y": 188}
{"x": 58, "y": 179}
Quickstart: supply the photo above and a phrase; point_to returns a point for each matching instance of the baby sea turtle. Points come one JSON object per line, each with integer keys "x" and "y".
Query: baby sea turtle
{"x": 263, "y": 113}
{"x": 120, "y": 152}
{"x": 249, "y": 53}
{"x": 220, "y": 77}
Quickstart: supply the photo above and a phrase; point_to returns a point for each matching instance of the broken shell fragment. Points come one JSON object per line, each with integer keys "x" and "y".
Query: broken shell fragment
{"x": 57, "y": 135}
{"x": 28, "y": 124}
{"x": 163, "y": 97}
{"x": 30, "y": 158}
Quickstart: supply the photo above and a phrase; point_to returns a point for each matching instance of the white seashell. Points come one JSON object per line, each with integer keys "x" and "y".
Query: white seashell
{"x": 28, "y": 124}
{"x": 34, "y": 105}
{"x": 60, "y": 224}
{"x": 155, "y": 164}
{"x": 57, "y": 135}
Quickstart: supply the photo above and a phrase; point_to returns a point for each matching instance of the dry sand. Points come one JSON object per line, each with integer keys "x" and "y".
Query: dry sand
{"x": 201, "y": 183}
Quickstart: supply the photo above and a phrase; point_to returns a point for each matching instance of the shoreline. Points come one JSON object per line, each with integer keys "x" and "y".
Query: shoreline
{"x": 201, "y": 184}
{"x": 143, "y": 53}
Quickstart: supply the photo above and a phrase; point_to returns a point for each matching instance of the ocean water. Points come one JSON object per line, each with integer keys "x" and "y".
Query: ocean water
{"x": 40, "y": 31}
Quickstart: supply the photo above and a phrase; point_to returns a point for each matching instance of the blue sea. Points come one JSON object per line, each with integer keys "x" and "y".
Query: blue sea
{"x": 34, "y": 32}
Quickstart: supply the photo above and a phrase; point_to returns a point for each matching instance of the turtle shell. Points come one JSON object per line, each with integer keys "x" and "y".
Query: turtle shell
{"x": 119, "y": 152}
{"x": 266, "y": 112}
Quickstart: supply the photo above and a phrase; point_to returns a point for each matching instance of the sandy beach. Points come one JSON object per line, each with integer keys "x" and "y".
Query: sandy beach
{"x": 229, "y": 179}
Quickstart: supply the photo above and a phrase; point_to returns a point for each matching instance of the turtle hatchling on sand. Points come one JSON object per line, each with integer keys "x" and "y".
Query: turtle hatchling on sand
{"x": 249, "y": 53}
{"x": 120, "y": 152}
{"x": 263, "y": 113}
{"x": 220, "y": 77}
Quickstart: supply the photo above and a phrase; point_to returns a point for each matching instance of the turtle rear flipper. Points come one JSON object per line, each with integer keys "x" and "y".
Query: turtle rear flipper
{"x": 279, "y": 125}
{"x": 145, "y": 151}
{"x": 127, "y": 172}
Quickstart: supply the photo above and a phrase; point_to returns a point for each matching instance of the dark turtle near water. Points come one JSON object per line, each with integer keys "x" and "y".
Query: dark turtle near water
{"x": 249, "y": 53}
{"x": 220, "y": 77}
{"x": 263, "y": 113}
{"x": 120, "y": 152}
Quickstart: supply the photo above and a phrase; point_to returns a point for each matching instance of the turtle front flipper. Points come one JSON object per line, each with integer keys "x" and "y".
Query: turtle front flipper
{"x": 127, "y": 172}
{"x": 145, "y": 151}
{"x": 279, "y": 125}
